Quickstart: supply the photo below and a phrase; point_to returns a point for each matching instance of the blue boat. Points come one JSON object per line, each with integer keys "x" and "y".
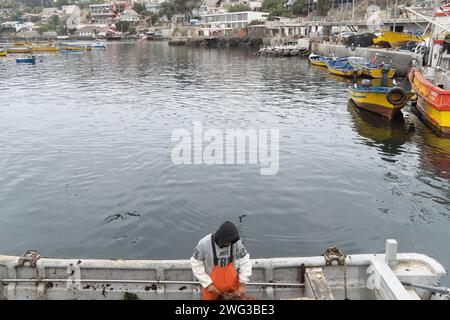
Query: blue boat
{"x": 30, "y": 60}
{"x": 341, "y": 67}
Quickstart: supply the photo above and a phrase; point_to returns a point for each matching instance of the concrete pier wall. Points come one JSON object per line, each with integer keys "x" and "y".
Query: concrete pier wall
{"x": 400, "y": 60}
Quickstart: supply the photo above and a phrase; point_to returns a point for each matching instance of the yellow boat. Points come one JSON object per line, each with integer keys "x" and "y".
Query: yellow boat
{"x": 342, "y": 68}
{"x": 385, "y": 101}
{"x": 3, "y": 53}
{"x": 433, "y": 102}
{"x": 20, "y": 50}
{"x": 78, "y": 48}
{"x": 22, "y": 44}
{"x": 395, "y": 38}
{"x": 45, "y": 49}
{"x": 317, "y": 60}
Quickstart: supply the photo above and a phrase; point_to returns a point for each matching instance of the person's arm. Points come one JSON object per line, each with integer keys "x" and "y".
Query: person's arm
{"x": 198, "y": 266}
{"x": 244, "y": 263}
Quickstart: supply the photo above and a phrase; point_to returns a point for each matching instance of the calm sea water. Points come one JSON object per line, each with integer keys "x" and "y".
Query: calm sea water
{"x": 85, "y": 167}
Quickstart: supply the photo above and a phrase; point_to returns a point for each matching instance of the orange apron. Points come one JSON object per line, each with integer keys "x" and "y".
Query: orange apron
{"x": 225, "y": 279}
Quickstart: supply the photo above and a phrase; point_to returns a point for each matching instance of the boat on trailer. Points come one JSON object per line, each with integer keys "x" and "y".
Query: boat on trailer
{"x": 390, "y": 276}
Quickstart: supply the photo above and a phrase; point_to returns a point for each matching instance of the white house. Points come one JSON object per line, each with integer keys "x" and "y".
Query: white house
{"x": 153, "y": 5}
{"x": 233, "y": 20}
{"x": 130, "y": 16}
{"x": 19, "y": 27}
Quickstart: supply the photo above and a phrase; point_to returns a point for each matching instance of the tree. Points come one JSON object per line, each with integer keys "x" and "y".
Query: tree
{"x": 323, "y": 6}
{"x": 274, "y": 7}
{"x": 123, "y": 26}
{"x": 300, "y": 7}
{"x": 184, "y": 7}
{"x": 239, "y": 7}
{"x": 147, "y": 13}
{"x": 138, "y": 7}
{"x": 55, "y": 20}
{"x": 167, "y": 9}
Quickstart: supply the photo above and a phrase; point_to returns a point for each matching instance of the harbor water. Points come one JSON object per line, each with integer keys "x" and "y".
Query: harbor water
{"x": 86, "y": 169}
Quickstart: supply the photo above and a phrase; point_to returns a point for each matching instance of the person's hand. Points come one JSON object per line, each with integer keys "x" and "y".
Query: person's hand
{"x": 240, "y": 290}
{"x": 211, "y": 288}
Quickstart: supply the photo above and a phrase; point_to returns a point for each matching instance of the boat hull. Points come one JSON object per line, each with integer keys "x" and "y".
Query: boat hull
{"x": 45, "y": 49}
{"x": 76, "y": 48}
{"x": 92, "y": 279}
{"x": 19, "y": 50}
{"x": 433, "y": 103}
{"x": 376, "y": 73}
{"x": 375, "y": 102}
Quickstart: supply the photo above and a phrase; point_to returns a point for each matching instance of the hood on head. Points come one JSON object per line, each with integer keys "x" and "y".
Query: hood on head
{"x": 227, "y": 233}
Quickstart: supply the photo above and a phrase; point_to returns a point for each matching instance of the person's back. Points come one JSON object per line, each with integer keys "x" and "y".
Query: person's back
{"x": 215, "y": 262}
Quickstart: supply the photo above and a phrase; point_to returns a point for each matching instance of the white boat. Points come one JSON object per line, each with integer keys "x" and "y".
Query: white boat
{"x": 99, "y": 45}
{"x": 331, "y": 276}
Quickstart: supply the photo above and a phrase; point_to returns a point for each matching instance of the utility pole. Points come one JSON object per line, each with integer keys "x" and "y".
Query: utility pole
{"x": 353, "y": 10}
{"x": 395, "y": 13}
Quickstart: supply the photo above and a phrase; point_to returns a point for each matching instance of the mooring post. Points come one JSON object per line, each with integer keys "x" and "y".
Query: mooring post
{"x": 391, "y": 251}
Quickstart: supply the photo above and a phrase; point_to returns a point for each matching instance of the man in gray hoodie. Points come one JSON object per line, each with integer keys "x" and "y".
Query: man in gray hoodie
{"x": 221, "y": 263}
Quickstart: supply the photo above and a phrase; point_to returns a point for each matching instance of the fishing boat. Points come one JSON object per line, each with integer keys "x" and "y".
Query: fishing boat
{"x": 331, "y": 276}
{"x": 19, "y": 50}
{"x": 3, "y": 53}
{"x": 28, "y": 60}
{"x": 318, "y": 60}
{"x": 342, "y": 68}
{"x": 99, "y": 45}
{"x": 77, "y": 47}
{"x": 22, "y": 44}
{"x": 431, "y": 78}
{"x": 383, "y": 100}
{"x": 45, "y": 49}
{"x": 369, "y": 68}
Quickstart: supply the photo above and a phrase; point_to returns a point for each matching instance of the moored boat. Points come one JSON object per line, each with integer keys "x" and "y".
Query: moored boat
{"x": 19, "y": 50}
{"x": 431, "y": 81}
{"x": 318, "y": 60}
{"x": 383, "y": 100}
{"x": 99, "y": 45}
{"x": 331, "y": 276}
{"x": 370, "y": 69}
{"x": 341, "y": 67}
{"x": 3, "y": 52}
{"x": 45, "y": 49}
{"x": 28, "y": 60}
{"x": 77, "y": 47}
{"x": 433, "y": 102}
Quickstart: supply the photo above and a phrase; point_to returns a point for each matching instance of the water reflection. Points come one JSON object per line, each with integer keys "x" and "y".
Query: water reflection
{"x": 385, "y": 135}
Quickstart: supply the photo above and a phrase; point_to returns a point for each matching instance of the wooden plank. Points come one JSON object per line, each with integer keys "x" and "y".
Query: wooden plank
{"x": 316, "y": 285}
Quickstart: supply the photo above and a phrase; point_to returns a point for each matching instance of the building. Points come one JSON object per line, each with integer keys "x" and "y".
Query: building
{"x": 48, "y": 13}
{"x": 90, "y": 32}
{"x": 17, "y": 26}
{"x": 5, "y": 11}
{"x": 106, "y": 13}
{"x": 233, "y": 20}
{"x": 153, "y": 5}
{"x": 130, "y": 16}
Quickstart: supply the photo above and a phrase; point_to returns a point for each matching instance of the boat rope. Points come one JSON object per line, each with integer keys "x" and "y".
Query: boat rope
{"x": 335, "y": 254}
